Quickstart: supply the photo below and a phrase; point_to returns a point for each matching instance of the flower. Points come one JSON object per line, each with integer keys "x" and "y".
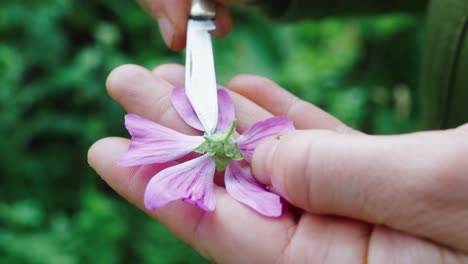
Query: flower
{"x": 193, "y": 180}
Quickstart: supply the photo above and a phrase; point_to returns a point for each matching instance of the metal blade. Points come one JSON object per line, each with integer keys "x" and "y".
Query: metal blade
{"x": 200, "y": 79}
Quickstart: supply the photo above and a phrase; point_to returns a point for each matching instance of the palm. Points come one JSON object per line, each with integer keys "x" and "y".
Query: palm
{"x": 325, "y": 239}
{"x": 234, "y": 233}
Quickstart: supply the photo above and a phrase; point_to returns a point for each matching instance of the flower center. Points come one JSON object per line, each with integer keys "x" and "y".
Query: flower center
{"x": 222, "y": 147}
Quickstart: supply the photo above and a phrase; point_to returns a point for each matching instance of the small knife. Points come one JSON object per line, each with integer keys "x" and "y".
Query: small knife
{"x": 200, "y": 78}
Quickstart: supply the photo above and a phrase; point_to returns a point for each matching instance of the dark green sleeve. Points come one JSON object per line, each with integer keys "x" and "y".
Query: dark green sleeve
{"x": 444, "y": 80}
{"x": 297, "y": 9}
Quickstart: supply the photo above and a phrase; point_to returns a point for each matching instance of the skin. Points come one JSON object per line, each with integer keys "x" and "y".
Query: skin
{"x": 354, "y": 198}
{"x": 172, "y": 19}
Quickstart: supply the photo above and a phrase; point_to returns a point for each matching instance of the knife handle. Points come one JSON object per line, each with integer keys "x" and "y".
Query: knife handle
{"x": 202, "y": 9}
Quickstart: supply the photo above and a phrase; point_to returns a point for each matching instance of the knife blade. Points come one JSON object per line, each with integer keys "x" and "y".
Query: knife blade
{"x": 200, "y": 76}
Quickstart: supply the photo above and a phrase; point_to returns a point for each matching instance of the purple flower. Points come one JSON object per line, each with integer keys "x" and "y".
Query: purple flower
{"x": 192, "y": 181}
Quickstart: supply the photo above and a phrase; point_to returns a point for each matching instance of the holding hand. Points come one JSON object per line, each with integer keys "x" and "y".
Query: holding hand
{"x": 356, "y": 198}
{"x": 172, "y": 18}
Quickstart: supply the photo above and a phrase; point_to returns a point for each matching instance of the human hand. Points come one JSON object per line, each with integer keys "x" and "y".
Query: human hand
{"x": 363, "y": 199}
{"x": 172, "y": 19}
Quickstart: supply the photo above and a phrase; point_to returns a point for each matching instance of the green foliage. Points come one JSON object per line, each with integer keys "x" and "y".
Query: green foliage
{"x": 54, "y": 58}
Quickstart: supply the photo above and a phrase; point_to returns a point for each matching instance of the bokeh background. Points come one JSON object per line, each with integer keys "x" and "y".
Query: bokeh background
{"x": 54, "y": 58}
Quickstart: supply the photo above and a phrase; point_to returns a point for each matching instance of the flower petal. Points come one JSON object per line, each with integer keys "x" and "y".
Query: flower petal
{"x": 241, "y": 185}
{"x": 191, "y": 181}
{"x": 226, "y": 110}
{"x": 261, "y": 130}
{"x": 153, "y": 143}
{"x": 182, "y": 105}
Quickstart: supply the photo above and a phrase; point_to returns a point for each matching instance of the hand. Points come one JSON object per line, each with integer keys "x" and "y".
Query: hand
{"x": 361, "y": 199}
{"x": 172, "y": 19}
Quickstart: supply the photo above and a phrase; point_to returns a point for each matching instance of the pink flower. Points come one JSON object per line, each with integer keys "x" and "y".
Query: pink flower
{"x": 192, "y": 181}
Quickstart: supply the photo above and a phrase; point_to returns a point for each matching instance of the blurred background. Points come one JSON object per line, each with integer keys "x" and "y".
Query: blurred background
{"x": 54, "y": 58}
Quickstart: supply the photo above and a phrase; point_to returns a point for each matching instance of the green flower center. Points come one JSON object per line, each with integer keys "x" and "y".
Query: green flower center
{"x": 222, "y": 147}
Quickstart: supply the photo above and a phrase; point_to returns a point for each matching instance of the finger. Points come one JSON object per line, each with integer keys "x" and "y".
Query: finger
{"x": 390, "y": 246}
{"x": 145, "y": 93}
{"x": 415, "y": 183}
{"x": 172, "y": 19}
{"x": 279, "y": 101}
{"x": 172, "y": 73}
{"x": 223, "y": 21}
{"x": 220, "y": 235}
{"x": 142, "y": 93}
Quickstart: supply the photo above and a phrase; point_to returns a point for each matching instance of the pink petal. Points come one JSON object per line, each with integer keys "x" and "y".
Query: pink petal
{"x": 153, "y": 143}
{"x": 183, "y": 107}
{"x": 261, "y": 130}
{"x": 226, "y": 110}
{"x": 241, "y": 185}
{"x": 191, "y": 181}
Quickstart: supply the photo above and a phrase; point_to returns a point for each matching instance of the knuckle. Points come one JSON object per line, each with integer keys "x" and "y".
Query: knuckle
{"x": 118, "y": 78}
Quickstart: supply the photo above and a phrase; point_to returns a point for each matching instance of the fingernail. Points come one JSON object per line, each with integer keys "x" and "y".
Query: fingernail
{"x": 167, "y": 30}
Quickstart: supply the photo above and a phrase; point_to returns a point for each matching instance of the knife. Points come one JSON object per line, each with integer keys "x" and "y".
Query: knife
{"x": 200, "y": 78}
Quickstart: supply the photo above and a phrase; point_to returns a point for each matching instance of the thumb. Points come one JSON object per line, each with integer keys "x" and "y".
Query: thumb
{"x": 405, "y": 182}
